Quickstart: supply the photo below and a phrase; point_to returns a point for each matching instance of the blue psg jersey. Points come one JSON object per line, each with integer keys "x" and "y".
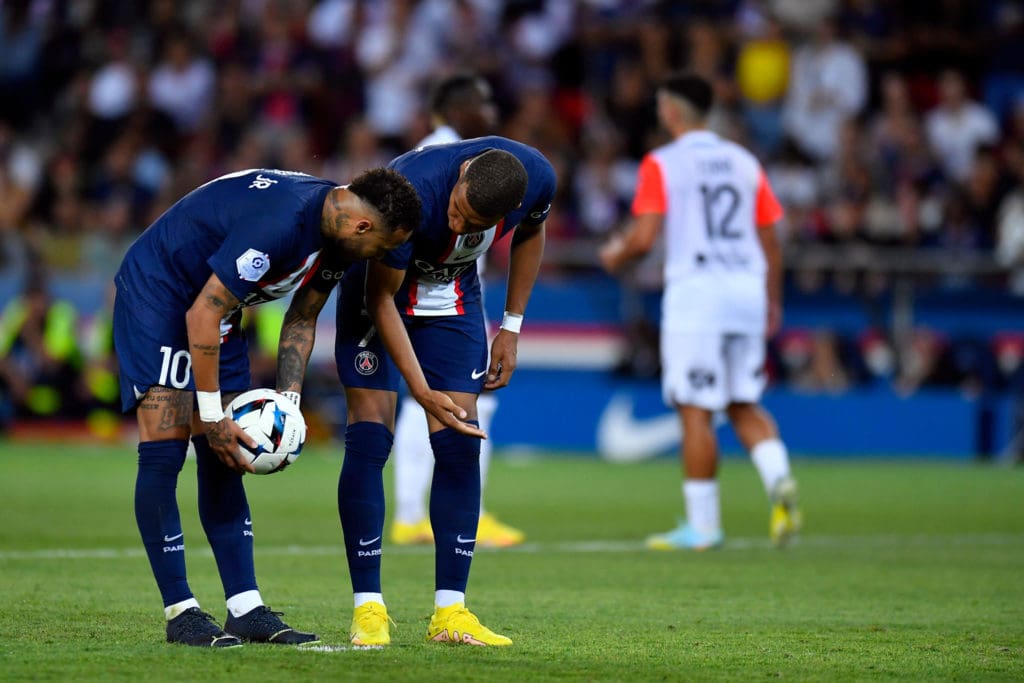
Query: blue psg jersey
{"x": 258, "y": 230}
{"x": 441, "y": 272}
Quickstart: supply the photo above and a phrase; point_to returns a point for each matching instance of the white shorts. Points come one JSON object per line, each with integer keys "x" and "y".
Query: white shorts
{"x": 711, "y": 370}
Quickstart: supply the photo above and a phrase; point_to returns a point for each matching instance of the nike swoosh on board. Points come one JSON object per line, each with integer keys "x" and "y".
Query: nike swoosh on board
{"x": 621, "y": 437}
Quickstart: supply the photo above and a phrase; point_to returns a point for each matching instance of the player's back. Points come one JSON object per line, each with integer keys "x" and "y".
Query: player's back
{"x": 259, "y": 212}
{"x": 714, "y": 196}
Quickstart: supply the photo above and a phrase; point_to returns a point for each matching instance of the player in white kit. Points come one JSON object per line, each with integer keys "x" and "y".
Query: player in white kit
{"x": 722, "y": 299}
{"x": 461, "y": 107}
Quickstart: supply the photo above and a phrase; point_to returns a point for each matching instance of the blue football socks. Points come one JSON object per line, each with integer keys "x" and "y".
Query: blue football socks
{"x": 224, "y": 513}
{"x": 454, "y": 506}
{"x": 156, "y": 512}
{"x": 361, "y": 501}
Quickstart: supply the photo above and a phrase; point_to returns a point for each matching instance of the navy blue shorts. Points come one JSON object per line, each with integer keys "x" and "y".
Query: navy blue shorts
{"x": 451, "y": 349}
{"x": 152, "y": 349}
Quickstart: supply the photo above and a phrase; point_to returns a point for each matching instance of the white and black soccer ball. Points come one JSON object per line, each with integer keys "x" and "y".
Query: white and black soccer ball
{"x": 276, "y": 424}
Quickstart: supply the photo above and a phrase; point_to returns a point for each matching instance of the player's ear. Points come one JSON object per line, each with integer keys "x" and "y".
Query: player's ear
{"x": 363, "y": 225}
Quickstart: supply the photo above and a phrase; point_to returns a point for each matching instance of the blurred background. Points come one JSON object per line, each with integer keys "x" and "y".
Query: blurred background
{"x": 892, "y": 132}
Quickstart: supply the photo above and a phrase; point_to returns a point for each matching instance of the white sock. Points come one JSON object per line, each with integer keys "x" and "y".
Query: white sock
{"x": 486, "y": 404}
{"x": 177, "y": 608}
{"x": 362, "y": 598}
{"x": 244, "y": 602}
{"x": 445, "y": 598}
{"x": 772, "y": 462}
{"x": 413, "y": 462}
{"x": 702, "y": 511}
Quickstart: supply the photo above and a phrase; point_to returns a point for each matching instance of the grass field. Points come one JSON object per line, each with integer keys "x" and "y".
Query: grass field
{"x": 911, "y": 571}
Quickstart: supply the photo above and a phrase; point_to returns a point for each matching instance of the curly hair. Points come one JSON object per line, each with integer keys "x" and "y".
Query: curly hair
{"x": 496, "y": 183}
{"x": 391, "y": 195}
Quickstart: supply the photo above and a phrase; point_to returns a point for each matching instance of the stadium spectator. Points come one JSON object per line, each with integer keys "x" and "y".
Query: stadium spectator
{"x": 828, "y": 85}
{"x": 958, "y": 126}
{"x": 240, "y": 240}
{"x": 40, "y": 360}
{"x": 722, "y": 298}
{"x": 424, "y": 299}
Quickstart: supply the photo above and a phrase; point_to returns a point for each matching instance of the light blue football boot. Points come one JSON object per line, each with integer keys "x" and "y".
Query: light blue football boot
{"x": 685, "y": 537}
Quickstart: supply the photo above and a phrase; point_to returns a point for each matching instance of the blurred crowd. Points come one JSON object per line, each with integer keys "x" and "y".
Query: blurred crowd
{"x": 879, "y": 123}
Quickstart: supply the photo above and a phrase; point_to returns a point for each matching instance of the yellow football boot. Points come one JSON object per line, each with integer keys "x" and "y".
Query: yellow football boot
{"x": 416, "y": 533}
{"x": 786, "y": 520}
{"x": 490, "y": 533}
{"x": 371, "y": 625}
{"x": 459, "y": 626}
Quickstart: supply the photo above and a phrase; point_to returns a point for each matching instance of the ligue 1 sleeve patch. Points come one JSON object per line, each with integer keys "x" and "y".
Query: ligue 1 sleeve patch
{"x": 252, "y": 265}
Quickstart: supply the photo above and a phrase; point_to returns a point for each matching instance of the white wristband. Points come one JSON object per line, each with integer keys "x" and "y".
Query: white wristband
{"x": 210, "y": 408}
{"x": 292, "y": 396}
{"x": 513, "y": 322}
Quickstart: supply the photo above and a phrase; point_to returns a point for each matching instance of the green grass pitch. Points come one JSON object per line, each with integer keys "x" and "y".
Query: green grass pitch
{"x": 906, "y": 571}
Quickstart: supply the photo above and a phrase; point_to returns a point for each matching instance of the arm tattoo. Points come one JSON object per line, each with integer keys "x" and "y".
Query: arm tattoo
{"x": 207, "y": 349}
{"x": 217, "y": 434}
{"x": 215, "y": 301}
{"x": 297, "y": 335}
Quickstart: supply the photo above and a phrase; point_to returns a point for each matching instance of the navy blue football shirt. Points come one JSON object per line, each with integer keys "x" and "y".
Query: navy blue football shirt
{"x": 258, "y": 230}
{"x": 441, "y": 276}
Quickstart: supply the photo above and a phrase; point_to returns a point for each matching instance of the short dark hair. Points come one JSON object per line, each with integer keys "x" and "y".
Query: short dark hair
{"x": 393, "y": 197}
{"x": 496, "y": 183}
{"x": 696, "y": 90}
{"x": 453, "y": 91}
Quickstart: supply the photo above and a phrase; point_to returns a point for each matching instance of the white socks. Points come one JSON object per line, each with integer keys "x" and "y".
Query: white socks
{"x": 238, "y": 604}
{"x": 244, "y": 602}
{"x": 413, "y": 462}
{"x": 177, "y": 608}
{"x": 444, "y": 598}
{"x": 362, "y": 598}
{"x": 772, "y": 462}
{"x": 702, "y": 509}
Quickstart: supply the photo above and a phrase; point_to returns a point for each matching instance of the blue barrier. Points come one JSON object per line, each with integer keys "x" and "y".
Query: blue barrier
{"x": 624, "y": 419}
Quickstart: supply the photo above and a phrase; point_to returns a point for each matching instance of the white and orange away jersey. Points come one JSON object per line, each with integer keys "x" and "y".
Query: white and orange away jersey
{"x": 714, "y": 197}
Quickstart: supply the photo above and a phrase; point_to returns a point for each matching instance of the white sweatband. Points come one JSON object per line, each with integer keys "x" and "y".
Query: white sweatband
{"x": 292, "y": 396}
{"x": 210, "y": 408}
{"x": 513, "y": 322}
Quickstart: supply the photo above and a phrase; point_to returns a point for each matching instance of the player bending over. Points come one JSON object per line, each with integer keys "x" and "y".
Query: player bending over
{"x": 240, "y": 240}
{"x": 423, "y": 301}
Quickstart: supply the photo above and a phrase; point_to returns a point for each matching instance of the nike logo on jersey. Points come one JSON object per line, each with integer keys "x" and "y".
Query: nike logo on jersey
{"x": 478, "y": 375}
{"x": 372, "y": 540}
{"x": 168, "y": 539}
{"x": 247, "y": 522}
{"x": 460, "y": 539}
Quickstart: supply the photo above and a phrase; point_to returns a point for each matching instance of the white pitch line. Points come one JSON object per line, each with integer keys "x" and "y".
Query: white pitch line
{"x": 596, "y": 546}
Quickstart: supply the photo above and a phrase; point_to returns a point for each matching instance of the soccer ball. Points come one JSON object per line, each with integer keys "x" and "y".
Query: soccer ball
{"x": 275, "y": 423}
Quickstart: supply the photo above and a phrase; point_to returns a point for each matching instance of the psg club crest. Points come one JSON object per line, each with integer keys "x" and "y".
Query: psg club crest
{"x": 473, "y": 240}
{"x": 366, "y": 362}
